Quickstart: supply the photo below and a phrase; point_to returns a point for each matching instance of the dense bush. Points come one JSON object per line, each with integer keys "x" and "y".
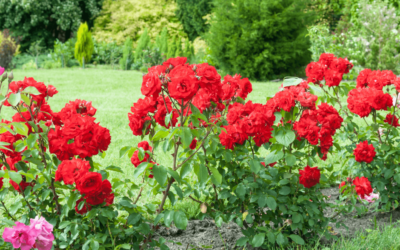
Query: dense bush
{"x": 128, "y": 18}
{"x": 46, "y": 20}
{"x": 192, "y": 16}
{"x": 84, "y": 45}
{"x": 64, "y": 52}
{"x": 108, "y": 52}
{"x": 260, "y": 39}
{"x": 8, "y": 49}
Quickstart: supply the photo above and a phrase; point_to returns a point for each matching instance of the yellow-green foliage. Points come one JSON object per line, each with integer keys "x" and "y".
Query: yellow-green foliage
{"x": 84, "y": 44}
{"x": 12, "y": 41}
{"x": 129, "y": 18}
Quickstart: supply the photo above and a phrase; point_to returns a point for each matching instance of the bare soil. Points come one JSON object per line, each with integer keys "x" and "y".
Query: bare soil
{"x": 206, "y": 235}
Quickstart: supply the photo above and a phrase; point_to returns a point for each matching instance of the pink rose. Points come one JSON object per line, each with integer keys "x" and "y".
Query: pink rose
{"x": 20, "y": 236}
{"x": 1, "y": 71}
{"x": 43, "y": 229}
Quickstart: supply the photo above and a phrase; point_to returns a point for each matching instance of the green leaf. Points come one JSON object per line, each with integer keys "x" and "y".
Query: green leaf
{"x": 168, "y": 217}
{"x": 290, "y": 160}
{"x": 15, "y": 176}
{"x": 388, "y": 173}
{"x": 94, "y": 245}
{"x": 14, "y": 99}
{"x": 194, "y": 109}
{"x": 161, "y": 134}
{"x": 141, "y": 168}
{"x": 160, "y": 174}
{"x": 316, "y": 90}
{"x": 262, "y": 200}
{"x": 15, "y": 207}
{"x": 31, "y": 140}
{"x": 273, "y": 157}
{"x": 133, "y": 218}
{"x": 280, "y": 239}
{"x": 285, "y": 190}
{"x": 180, "y": 220}
{"x": 186, "y": 136}
{"x": 73, "y": 197}
{"x": 285, "y": 137}
{"x": 271, "y": 203}
{"x": 216, "y": 177}
{"x": 64, "y": 224}
{"x": 271, "y": 237}
{"x": 291, "y": 81}
{"x": 255, "y": 166}
{"x": 241, "y": 191}
{"x": 178, "y": 191}
{"x": 201, "y": 172}
{"x": 141, "y": 154}
{"x": 397, "y": 178}
{"x": 123, "y": 151}
{"x": 297, "y": 239}
{"x": 20, "y": 128}
{"x": 126, "y": 202}
{"x": 174, "y": 174}
{"x": 296, "y": 218}
{"x": 258, "y": 240}
{"x": 242, "y": 241}
{"x": 115, "y": 169}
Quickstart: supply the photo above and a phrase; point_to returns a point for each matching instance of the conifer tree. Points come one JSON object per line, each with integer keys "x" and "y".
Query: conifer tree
{"x": 126, "y": 61}
{"x": 191, "y": 14}
{"x": 143, "y": 43}
{"x": 260, "y": 39}
{"x": 172, "y": 48}
{"x": 84, "y": 45}
{"x": 179, "y": 51}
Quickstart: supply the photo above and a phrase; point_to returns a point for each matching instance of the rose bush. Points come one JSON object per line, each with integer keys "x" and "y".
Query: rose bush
{"x": 217, "y": 141}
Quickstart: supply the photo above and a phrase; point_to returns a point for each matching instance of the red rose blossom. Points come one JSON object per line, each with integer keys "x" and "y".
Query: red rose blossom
{"x": 70, "y": 171}
{"x": 90, "y": 183}
{"x": 363, "y": 186}
{"x": 392, "y": 120}
{"x": 309, "y": 177}
{"x": 183, "y": 87}
{"x": 364, "y": 152}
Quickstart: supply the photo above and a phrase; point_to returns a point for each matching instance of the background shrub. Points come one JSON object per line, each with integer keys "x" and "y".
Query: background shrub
{"x": 191, "y": 13}
{"x": 260, "y": 39}
{"x": 127, "y": 55}
{"x": 83, "y": 45}
{"x": 27, "y": 19}
{"x": 128, "y": 18}
{"x": 8, "y": 48}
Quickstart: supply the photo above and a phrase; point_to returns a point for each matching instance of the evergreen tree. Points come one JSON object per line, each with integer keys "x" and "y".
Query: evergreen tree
{"x": 260, "y": 39}
{"x": 178, "y": 51}
{"x": 143, "y": 43}
{"x": 84, "y": 45}
{"x": 191, "y": 14}
{"x": 126, "y": 61}
{"x": 172, "y": 48}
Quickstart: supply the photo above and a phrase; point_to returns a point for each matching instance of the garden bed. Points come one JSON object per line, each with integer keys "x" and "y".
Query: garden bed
{"x": 205, "y": 234}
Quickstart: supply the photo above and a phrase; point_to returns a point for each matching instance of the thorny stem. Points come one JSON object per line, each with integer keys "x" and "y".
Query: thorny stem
{"x": 23, "y": 194}
{"x": 209, "y": 173}
{"x": 5, "y": 208}
{"x": 108, "y": 226}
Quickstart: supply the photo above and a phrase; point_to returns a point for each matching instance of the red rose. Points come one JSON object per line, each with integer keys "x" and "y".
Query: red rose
{"x": 315, "y": 72}
{"x": 326, "y": 59}
{"x": 358, "y": 102}
{"x": 151, "y": 85}
{"x": 22, "y": 185}
{"x": 307, "y": 99}
{"x": 233, "y": 135}
{"x": 285, "y": 100}
{"x": 263, "y": 136}
{"x": 392, "y": 120}
{"x": 173, "y": 62}
{"x": 309, "y": 177}
{"x": 158, "y": 70}
{"x": 380, "y": 100}
{"x": 363, "y": 186}
{"x": 341, "y": 65}
{"x": 270, "y": 165}
{"x": 245, "y": 88}
{"x": 182, "y": 70}
{"x": 396, "y": 83}
{"x": 70, "y": 171}
{"x": 193, "y": 144}
{"x": 208, "y": 75}
{"x": 333, "y": 78}
{"x": 362, "y": 78}
{"x": 183, "y": 87}
{"x": 102, "y": 195}
{"x": 364, "y": 152}
{"x": 341, "y": 185}
{"x": 144, "y": 106}
{"x": 90, "y": 183}
{"x": 85, "y": 207}
{"x": 51, "y": 90}
{"x": 137, "y": 123}
{"x": 135, "y": 157}
{"x": 202, "y": 99}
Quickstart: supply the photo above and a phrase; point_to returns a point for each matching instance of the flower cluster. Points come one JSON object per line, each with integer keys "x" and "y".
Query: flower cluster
{"x": 90, "y": 184}
{"x": 36, "y": 236}
{"x": 328, "y": 67}
{"x": 248, "y": 120}
{"x": 362, "y": 101}
{"x": 77, "y": 133}
{"x": 362, "y": 186}
{"x": 168, "y": 88}
{"x": 318, "y": 126}
{"x": 375, "y": 79}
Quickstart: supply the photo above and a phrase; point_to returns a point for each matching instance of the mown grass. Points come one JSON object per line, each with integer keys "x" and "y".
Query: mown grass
{"x": 113, "y": 93}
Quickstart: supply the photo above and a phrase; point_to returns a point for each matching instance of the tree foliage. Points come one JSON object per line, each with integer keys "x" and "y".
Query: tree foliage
{"x": 258, "y": 38}
{"x": 128, "y": 18}
{"x": 46, "y": 19}
{"x": 84, "y": 44}
{"x": 191, "y": 13}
